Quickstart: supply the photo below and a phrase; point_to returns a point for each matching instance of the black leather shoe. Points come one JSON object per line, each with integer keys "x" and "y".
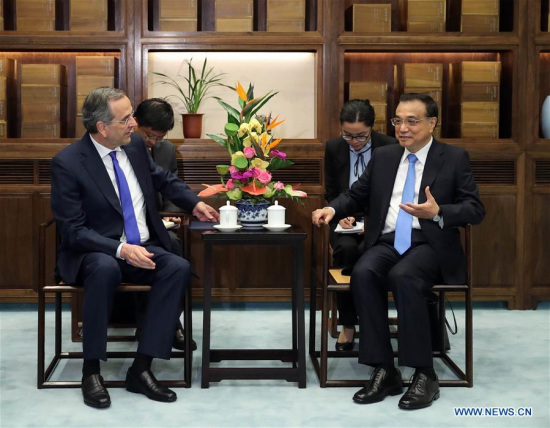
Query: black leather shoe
{"x": 345, "y": 346}
{"x": 423, "y": 391}
{"x": 145, "y": 383}
{"x": 94, "y": 392}
{"x": 381, "y": 384}
{"x": 179, "y": 340}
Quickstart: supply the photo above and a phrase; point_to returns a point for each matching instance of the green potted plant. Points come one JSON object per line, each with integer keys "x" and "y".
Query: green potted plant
{"x": 192, "y": 93}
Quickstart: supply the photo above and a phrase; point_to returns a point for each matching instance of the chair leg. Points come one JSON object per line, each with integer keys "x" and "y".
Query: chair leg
{"x": 333, "y": 315}
{"x": 40, "y": 379}
{"x": 323, "y": 369}
{"x": 469, "y": 340}
{"x": 188, "y": 333}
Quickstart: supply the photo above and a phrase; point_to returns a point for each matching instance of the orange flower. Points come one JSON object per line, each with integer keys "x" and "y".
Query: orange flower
{"x": 241, "y": 92}
{"x": 212, "y": 190}
{"x": 252, "y": 189}
{"x": 273, "y": 123}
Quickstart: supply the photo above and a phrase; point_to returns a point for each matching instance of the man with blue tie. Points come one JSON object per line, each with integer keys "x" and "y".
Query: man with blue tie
{"x": 414, "y": 195}
{"x": 104, "y": 202}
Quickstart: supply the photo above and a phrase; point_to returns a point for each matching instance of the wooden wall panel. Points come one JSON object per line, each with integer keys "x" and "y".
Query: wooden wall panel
{"x": 539, "y": 254}
{"x": 495, "y": 243}
{"x": 16, "y": 245}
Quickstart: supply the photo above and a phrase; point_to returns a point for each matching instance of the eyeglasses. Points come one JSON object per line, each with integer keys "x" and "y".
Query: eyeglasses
{"x": 125, "y": 121}
{"x": 361, "y": 138}
{"x": 397, "y": 121}
{"x": 154, "y": 139}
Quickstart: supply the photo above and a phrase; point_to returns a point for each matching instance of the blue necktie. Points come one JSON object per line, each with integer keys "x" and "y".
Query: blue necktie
{"x": 403, "y": 226}
{"x": 130, "y": 223}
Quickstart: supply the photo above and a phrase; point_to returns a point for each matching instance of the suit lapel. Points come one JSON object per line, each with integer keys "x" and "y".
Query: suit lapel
{"x": 96, "y": 169}
{"x": 434, "y": 161}
{"x": 343, "y": 159}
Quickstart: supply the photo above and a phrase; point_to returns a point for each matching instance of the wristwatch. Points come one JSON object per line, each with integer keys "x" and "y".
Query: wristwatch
{"x": 438, "y": 216}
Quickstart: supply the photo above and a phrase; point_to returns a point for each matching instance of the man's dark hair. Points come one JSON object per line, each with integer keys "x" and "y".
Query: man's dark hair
{"x": 155, "y": 113}
{"x": 431, "y": 105}
{"x": 357, "y": 111}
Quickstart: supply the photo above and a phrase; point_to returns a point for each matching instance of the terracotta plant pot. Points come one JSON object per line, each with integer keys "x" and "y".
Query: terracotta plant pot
{"x": 192, "y": 125}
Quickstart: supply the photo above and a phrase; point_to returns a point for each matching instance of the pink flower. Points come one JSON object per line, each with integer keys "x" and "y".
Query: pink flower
{"x": 278, "y": 154}
{"x": 264, "y": 177}
{"x": 249, "y": 152}
{"x": 278, "y": 186}
{"x": 233, "y": 169}
{"x": 230, "y": 184}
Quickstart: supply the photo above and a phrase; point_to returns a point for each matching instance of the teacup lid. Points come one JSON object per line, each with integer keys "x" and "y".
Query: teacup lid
{"x": 276, "y": 207}
{"x": 228, "y": 207}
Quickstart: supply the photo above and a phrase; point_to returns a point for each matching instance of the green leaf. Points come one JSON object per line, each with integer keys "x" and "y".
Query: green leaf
{"x": 257, "y": 104}
{"x": 221, "y": 141}
{"x": 241, "y": 162}
{"x": 222, "y": 169}
{"x": 278, "y": 163}
{"x": 232, "y": 111}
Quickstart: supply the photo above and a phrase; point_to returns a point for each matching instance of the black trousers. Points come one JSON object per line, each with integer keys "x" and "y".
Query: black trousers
{"x": 346, "y": 250}
{"x": 410, "y": 277}
{"x": 100, "y": 274}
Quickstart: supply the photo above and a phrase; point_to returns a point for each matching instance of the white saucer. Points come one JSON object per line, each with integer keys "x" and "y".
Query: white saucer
{"x": 277, "y": 228}
{"x": 227, "y": 228}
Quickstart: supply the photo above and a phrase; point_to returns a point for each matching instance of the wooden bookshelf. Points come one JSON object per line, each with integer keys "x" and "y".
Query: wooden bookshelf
{"x": 513, "y": 170}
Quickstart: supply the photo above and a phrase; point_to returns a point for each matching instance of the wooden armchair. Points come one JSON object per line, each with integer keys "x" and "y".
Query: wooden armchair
{"x": 331, "y": 281}
{"x": 47, "y": 285}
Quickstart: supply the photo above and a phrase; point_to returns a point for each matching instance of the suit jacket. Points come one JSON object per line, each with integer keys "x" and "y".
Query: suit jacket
{"x": 447, "y": 172}
{"x": 337, "y": 165}
{"x": 164, "y": 155}
{"x": 87, "y": 209}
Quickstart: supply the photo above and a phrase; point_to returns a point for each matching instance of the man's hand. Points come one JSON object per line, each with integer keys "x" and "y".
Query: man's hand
{"x": 172, "y": 219}
{"x": 137, "y": 256}
{"x": 428, "y": 209}
{"x": 322, "y": 215}
{"x": 347, "y": 223}
{"x": 205, "y": 212}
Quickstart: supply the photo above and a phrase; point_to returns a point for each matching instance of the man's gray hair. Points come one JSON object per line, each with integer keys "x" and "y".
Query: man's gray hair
{"x": 96, "y": 107}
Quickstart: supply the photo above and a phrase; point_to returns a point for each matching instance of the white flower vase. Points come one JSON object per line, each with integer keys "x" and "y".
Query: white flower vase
{"x": 545, "y": 117}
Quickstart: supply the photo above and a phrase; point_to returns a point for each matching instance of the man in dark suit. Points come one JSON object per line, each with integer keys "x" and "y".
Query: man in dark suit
{"x": 346, "y": 158}
{"x": 103, "y": 199}
{"x": 415, "y": 196}
{"x": 155, "y": 118}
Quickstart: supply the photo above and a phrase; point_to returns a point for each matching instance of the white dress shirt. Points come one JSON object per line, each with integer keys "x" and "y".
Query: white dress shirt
{"x": 138, "y": 201}
{"x": 399, "y": 184}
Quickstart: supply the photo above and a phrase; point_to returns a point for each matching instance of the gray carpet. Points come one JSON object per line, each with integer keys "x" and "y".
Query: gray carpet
{"x": 511, "y": 375}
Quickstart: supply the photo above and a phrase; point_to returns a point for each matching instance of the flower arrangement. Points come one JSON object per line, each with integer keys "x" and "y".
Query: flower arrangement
{"x": 251, "y": 145}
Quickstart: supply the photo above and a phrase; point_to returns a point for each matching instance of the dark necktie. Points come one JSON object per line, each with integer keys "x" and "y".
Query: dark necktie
{"x": 403, "y": 226}
{"x": 360, "y": 161}
{"x": 130, "y": 223}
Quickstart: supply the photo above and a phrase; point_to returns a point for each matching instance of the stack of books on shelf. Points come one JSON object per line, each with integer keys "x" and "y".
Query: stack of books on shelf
{"x": 178, "y": 15}
{"x": 35, "y": 15}
{"x": 286, "y": 15}
{"x": 480, "y": 93}
{"x": 7, "y": 80}
{"x": 372, "y": 18}
{"x": 480, "y": 16}
{"x": 377, "y": 94}
{"x": 89, "y": 15}
{"x": 234, "y": 15}
{"x": 426, "y": 16}
{"x": 425, "y": 78}
{"x": 91, "y": 72}
{"x": 43, "y": 90}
